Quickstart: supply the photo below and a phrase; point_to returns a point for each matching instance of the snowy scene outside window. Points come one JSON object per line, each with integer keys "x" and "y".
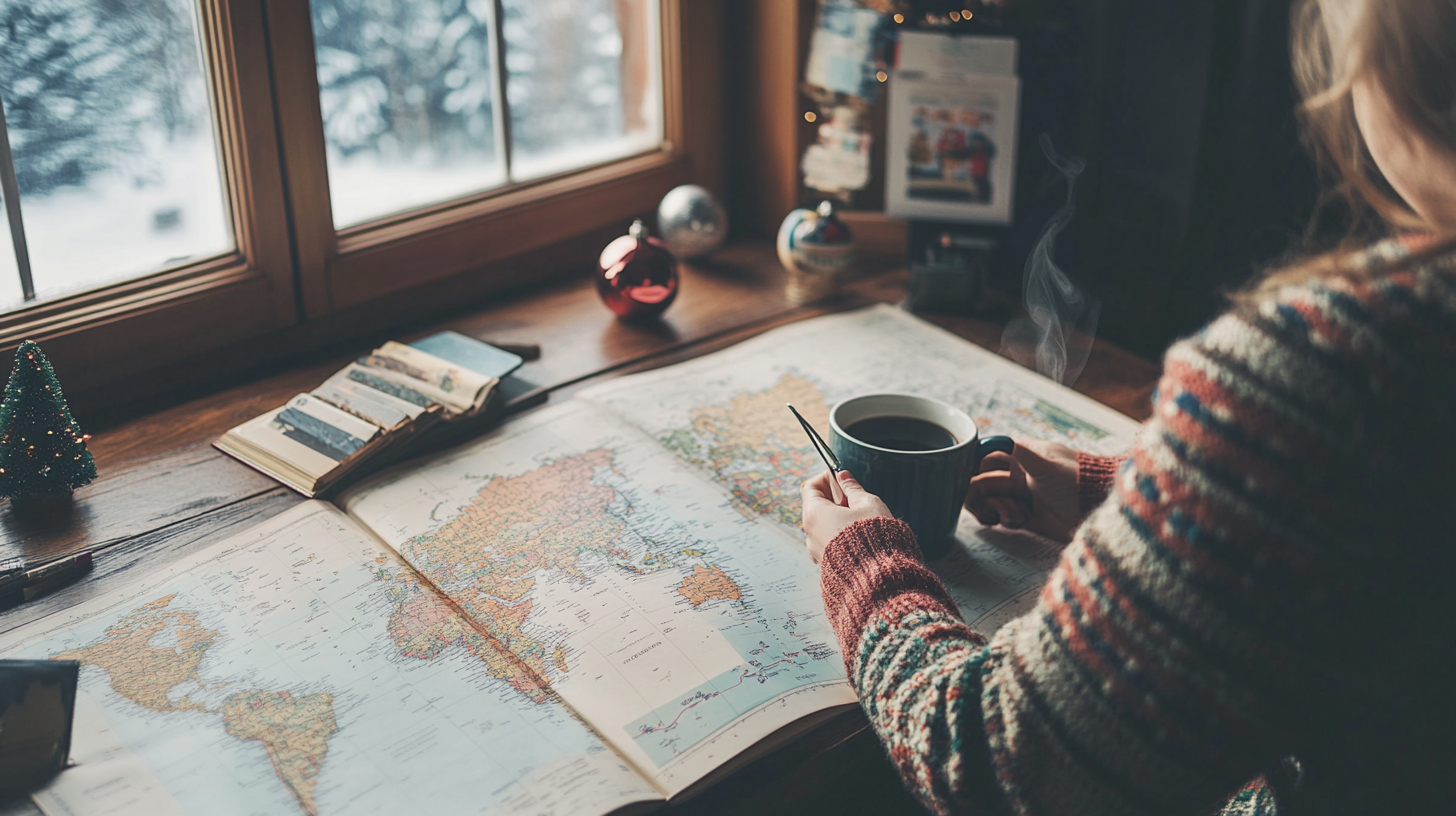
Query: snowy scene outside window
{"x": 416, "y": 112}
{"x": 115, "y": 173}
{"x": 110, "y": 129}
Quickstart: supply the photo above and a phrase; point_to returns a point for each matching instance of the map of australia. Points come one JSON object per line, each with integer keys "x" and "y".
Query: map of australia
{"x": 294, "y": 730}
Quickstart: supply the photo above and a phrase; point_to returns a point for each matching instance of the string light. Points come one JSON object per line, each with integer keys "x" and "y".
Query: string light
{"x": 810, "y": 116}
{"x": 899, "y": 18}
{"x": 955, "y": 15}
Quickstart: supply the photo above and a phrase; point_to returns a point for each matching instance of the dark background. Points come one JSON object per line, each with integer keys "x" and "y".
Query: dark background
{"x": 1184, "y": 113}
{"x": 1195, "y": 177}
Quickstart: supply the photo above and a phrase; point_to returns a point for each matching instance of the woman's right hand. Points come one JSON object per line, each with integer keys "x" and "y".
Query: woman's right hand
{"x": 1033, "y": 488}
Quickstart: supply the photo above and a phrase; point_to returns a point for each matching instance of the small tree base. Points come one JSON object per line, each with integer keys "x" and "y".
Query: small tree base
{"x": 42, "y": 505}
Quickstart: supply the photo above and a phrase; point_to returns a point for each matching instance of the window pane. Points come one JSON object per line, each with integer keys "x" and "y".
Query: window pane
{"x": 405, "y": 87}
{"x": 111, "y": 128}
{"x": 582, "y": 82}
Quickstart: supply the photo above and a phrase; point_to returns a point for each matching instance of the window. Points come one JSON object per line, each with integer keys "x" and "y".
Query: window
{"x": 417, "y": 110}
{"x": 184, "y": 175}
{"x": 110, "y": 135}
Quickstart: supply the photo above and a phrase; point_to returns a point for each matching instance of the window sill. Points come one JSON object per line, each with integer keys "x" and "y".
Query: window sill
{"x": 376, "y": 260}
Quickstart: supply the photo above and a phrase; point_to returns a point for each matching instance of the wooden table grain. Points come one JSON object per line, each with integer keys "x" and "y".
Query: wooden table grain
{"x": 164, "y": 492}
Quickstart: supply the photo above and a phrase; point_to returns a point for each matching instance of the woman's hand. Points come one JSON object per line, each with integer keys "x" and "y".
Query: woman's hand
{"x": 1033, "y": 488}
{"x": 824, "y": 518}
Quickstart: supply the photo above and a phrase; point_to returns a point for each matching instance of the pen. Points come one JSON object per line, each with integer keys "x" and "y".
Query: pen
{"x": 526, "y": 351}
{"x": 830, "y": 460}
{"x": 10, "y": 566}
{"x": 40, "y": 580}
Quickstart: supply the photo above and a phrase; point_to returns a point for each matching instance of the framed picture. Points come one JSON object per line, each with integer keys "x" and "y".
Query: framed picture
{"x": 952, "y": 147}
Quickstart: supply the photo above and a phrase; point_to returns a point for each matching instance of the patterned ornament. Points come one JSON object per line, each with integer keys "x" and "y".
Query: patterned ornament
{"x": 636, "y": 275}
{"x": 691, "y": 221}
{"x": 817, "y": 249}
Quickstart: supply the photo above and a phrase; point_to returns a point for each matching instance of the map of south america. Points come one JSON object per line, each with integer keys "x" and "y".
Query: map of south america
{"x": 293, "y": 730}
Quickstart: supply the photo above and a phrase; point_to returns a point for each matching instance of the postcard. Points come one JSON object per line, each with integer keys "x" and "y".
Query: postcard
{"x": 395, "y": 385}
{"x": 322, "y": 428}
{"x": 952, "y": 148}
{"x": 368, "y": 403}
{"x": 950, "y": 58}
{"x": 462, "y": 388}
{"x": 841, "y": 47}
{"x": 478, "y": 356}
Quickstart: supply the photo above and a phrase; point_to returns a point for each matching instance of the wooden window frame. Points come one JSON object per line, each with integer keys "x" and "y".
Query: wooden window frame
{"x": 108, "y": 334}
{"x": 343, "y": 269}
{"x": 291, "y": 267}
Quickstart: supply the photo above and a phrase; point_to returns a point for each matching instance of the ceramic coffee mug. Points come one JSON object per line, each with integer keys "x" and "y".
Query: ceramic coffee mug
{"x": 924, "y": 488}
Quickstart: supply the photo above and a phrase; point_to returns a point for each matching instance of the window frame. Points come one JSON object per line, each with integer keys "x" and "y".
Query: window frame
{"x": 113, "y": 332}
{"x": 291, "y": 267}
{"x": 345, "y": 268}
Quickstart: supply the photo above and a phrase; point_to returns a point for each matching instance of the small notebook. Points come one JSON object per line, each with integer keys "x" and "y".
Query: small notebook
{"x": 382, "y": 399}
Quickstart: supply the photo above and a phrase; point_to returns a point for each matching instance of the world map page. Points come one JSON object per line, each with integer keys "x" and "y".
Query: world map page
{"x": 603, "y": 602}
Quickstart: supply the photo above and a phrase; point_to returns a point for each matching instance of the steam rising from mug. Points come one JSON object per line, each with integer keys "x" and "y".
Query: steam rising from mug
{"x": 1057, "y": 337}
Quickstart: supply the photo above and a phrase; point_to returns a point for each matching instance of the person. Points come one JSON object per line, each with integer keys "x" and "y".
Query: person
{"x": 1252, "y": 612}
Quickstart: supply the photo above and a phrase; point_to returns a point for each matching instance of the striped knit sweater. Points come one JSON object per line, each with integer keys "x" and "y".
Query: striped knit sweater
{"x": 1265, "y": 579}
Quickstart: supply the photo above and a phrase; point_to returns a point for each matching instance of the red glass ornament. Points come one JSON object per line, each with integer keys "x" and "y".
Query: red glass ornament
{"x": 637, "y": 275}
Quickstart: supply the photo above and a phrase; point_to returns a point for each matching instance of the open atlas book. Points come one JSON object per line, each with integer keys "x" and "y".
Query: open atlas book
{"x": 602, "y": 605}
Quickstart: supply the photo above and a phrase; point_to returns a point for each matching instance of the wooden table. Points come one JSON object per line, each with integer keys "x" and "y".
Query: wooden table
{"x": 163, "y": 492}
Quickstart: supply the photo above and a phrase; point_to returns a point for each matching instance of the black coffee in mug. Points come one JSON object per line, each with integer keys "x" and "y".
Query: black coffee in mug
{"x": 901, "y": 433}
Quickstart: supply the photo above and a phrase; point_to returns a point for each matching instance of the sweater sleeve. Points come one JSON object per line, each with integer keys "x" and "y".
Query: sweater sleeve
{"x": 1187, "y": 640}
{"x": 1094, "y": 480}
{"x": 914, "y": 664}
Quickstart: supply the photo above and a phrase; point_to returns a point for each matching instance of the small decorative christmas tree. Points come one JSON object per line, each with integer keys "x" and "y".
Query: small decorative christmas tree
{"x": 42, "y": 450}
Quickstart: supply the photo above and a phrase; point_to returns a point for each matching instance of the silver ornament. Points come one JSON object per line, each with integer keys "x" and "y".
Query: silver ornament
{"x": 691, "y": 221}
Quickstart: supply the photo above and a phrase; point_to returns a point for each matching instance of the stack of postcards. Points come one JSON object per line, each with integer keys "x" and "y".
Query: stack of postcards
{"x": 377, "y": 402}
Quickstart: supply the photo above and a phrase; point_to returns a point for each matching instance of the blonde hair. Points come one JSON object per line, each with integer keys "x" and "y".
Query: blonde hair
{"x": 1407, "y": 48}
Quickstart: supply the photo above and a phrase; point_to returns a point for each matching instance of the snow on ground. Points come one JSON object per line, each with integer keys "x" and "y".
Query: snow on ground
{"x": 114, "y": 229}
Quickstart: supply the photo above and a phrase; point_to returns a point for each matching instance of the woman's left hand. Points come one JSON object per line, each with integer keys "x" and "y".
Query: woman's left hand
{"x": 824, "y": 518}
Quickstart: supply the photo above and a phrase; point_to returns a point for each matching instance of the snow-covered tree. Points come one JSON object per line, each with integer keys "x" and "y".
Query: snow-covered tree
{"x": 82, "y": 80}
{"x": 398, "y": 78}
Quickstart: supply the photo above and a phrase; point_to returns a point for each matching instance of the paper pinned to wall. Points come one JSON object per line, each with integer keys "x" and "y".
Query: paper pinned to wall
{"x": 841, "y": 50}
{"x": 949, "y": 58}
